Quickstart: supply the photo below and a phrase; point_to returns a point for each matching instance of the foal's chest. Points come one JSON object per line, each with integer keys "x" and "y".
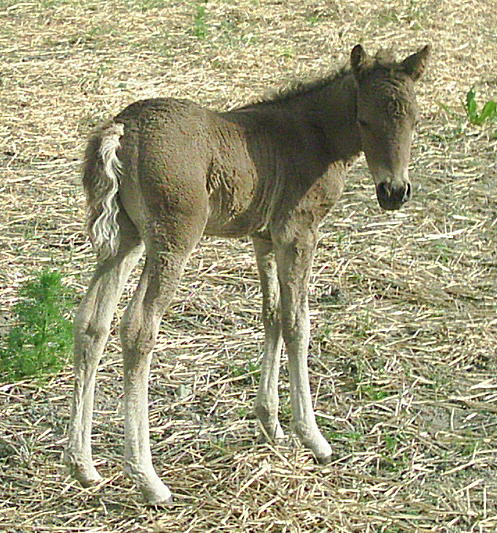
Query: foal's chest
{"x": 322, "y": 194}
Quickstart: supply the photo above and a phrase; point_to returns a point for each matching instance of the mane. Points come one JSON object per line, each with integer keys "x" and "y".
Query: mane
{"x": 300, "y": 88}
{"x": 383, "y": 60}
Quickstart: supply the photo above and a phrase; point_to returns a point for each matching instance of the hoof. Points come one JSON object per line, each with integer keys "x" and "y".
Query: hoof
{"x": 159, "y": 502}
{"x": 324, "y": 459}
{"x": 273, "y": 433}
{"x": 156, "y": 494}
{"x": 85, "y": 474}
{"x": 87, "y": 481}
{"x": 312, "y": 439}
{"x": 279, "y": 438}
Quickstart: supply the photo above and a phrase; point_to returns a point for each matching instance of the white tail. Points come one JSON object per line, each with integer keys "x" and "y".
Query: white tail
{"x": 101, "y": 186}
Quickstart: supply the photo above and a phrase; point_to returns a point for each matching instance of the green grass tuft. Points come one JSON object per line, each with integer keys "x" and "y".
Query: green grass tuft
{"x": 41, "y": 339}
{"x": 478, "y": 118}
{"x": 200, "y": 29}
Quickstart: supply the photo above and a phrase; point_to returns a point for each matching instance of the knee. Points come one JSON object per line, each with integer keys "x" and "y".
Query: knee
{"x": 291, "y": 328}
{"x": 137, "y": 340}
{"x": 271, "y": 315}
{"x": 295, "y": 326}
{"x": 266, "y": 412}
{"x": 89, "y": 331}
{"x": 89, "y": 339}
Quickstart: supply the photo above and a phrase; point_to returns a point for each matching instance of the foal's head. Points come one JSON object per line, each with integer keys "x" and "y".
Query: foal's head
{"x": 386, "y": 117}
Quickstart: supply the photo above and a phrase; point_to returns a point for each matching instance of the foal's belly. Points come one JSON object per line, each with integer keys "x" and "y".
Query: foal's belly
{"x": 253, "y": 205}
{"x": 227, "y": 225}
{"x": 239, "y": 203}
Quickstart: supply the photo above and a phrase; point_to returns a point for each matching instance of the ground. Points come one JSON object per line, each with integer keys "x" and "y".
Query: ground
{"x": 403, "y": 353}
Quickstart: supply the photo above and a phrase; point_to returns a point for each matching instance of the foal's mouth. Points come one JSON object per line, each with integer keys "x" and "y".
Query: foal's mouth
{"x": 392, "y": 197}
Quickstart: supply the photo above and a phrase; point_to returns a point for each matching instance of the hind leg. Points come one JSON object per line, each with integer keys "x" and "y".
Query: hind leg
{"x": 168, "y": 246}
{"x": 266, "y": 404}
{"x": 91, "y": 329}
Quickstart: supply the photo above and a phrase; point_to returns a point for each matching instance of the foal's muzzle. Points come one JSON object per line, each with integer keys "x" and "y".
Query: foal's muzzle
{"x": 391, "y": 196}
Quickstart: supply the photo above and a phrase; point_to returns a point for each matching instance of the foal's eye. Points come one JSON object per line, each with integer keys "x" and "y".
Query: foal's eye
{"x": 362, "y": 122}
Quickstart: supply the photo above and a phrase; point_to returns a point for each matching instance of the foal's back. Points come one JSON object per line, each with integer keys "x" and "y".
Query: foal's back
{"x": 245, "y": 166}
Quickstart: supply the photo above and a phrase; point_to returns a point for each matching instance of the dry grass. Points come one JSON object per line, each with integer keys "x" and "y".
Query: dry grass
{"x": 403, "y": 357}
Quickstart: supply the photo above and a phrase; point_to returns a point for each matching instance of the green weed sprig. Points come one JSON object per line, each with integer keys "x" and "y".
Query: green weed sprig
{"x": 475, "y": 117}
{"x": 41, "y": 338}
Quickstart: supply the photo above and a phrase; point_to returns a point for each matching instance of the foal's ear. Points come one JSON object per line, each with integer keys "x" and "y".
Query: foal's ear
{"x": 415, "y": 64}
{"x": 358, "y": 60}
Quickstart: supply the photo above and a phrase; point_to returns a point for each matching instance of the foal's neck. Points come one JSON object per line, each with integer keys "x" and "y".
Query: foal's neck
{"x": 332, "y": 109}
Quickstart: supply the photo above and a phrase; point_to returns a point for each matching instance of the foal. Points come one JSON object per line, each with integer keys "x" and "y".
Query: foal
{"x": 164, "y": 172}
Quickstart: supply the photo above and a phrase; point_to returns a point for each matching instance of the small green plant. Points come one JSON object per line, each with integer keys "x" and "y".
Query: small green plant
{"x": 41, "y": 338}
{"x": 371, "y": 392}
{"x": 199, "y": 23}
{"x": 249, "y": 371}
{"x": 487, "y": 113}
{"x": 350, "y": 439}
{"x": 334, "y": 434}
{"x": 288, "y": 52}
{"x": 473, "y": 116}
{"x": 391, "y": 443}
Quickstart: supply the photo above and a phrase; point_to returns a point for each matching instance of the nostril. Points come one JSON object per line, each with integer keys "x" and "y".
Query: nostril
{"x": 383, "y": 189}
{"x": 407, "y": 192}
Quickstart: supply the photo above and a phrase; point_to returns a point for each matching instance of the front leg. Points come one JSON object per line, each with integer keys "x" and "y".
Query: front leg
{"x": 266, "y": 404}
{"x": 294, "y": 260}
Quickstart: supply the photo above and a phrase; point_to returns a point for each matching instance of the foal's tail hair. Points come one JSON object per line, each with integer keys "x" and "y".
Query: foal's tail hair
{"x": 101, "y": 173}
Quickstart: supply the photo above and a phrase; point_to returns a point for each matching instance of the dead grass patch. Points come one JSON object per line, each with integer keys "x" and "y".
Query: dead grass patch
{"x": 404, "y": 316}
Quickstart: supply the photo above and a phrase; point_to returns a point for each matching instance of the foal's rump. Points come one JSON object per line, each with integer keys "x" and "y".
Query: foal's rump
{"x": 151, "y": 160}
